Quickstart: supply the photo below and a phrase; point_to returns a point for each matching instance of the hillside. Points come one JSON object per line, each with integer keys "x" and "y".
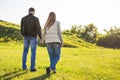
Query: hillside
{"x": 11, "y": 32}
{"x": 73, "y": 41}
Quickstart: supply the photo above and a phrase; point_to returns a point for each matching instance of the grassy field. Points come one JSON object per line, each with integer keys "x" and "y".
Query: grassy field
{"x": 75, "y": 64}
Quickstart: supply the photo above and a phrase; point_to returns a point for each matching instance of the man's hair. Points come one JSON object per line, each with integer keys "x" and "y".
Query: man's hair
{"x": 31, "y": 9}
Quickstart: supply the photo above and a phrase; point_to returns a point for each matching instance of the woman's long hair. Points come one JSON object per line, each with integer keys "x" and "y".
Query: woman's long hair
{"x": 51, "y": 20}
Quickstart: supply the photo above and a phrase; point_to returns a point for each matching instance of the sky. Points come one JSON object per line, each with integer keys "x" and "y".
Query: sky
{"x": 102, "y": 13}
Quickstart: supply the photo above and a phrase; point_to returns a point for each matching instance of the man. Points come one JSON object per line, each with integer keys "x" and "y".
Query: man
{"x": 30, "y": 28}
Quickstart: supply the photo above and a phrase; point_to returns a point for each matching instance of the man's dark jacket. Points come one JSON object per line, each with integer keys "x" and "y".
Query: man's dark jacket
{"x": 30, "y": 26}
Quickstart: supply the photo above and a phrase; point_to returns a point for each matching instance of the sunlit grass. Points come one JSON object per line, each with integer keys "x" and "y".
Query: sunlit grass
{"x": 8, "y": 24}
{"x": 75, "y": 64}
{"x": 74, "y": 41}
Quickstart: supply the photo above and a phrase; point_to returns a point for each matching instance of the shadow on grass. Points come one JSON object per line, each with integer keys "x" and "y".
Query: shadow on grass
{"x": 10, "y": 75}
{"x": 42, "y": 77}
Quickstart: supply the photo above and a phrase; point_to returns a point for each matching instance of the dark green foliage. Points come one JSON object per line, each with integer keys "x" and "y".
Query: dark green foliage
{"x": 111, "y": 39}
{"x": 9, "y": 34}
{"x": 89, "y": 33}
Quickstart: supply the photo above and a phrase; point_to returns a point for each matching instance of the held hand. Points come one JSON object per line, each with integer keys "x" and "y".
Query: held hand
{"x": 41, "y": 41}
{"x": 62, "y": 44}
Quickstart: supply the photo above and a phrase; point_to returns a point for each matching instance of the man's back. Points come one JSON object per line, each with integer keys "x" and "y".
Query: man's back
{"x": 30, "y": 26}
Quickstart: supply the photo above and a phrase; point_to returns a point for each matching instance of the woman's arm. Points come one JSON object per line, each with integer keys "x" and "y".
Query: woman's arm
{"x": 60, "y": 34}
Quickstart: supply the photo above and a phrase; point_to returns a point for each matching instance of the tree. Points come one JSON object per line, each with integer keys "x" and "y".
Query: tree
{"x": 90, "y": 33}
{"x": 73, "y": 29}
{"x": 79, "y": 29}
{"x": 111, "y": 39}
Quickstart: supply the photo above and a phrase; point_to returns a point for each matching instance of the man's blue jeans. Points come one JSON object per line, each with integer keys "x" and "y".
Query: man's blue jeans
{"x": 27, "y": 42}
{"x": 54, "y": 50}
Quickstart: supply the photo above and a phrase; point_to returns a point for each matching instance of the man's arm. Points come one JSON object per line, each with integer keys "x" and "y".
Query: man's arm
{"x": 22, "y": 27}
{"x": 39, "y": 29}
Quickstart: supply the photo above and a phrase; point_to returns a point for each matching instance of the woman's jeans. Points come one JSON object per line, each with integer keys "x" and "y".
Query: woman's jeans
{"x": 54, "y": 50}
{"x": 27, "y": 42}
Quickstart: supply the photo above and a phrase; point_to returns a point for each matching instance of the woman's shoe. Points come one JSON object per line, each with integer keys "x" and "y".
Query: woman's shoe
{"x": 48, "y": 70}
{"x": 54, "y": 71}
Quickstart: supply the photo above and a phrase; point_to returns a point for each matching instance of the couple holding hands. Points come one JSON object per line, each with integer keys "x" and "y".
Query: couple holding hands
{"x": 52, "y": 37}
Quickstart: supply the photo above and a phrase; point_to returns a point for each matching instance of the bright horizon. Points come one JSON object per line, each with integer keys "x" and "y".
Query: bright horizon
{"x": 102, "y": 13}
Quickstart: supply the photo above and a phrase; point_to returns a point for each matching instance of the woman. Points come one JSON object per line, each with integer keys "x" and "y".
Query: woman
{"x": 53, "y": 38}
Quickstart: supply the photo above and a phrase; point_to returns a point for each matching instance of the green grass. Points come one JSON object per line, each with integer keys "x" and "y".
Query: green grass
{"x": 75, "y": 64}
{"x": 9, "y": 25}
{"x": 84, "y": 62}
{"x": 75, "y": 42}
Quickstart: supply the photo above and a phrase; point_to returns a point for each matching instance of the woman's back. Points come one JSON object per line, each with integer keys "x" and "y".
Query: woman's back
{"x": 52, "y": 33}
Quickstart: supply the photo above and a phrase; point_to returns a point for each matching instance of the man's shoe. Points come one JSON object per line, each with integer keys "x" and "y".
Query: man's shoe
{"x": 33, "y": 70}
{"x": 48, "y": 70}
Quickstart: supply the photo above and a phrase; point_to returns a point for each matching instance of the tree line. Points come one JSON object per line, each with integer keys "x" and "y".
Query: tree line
{"x": 89, "y": 33}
